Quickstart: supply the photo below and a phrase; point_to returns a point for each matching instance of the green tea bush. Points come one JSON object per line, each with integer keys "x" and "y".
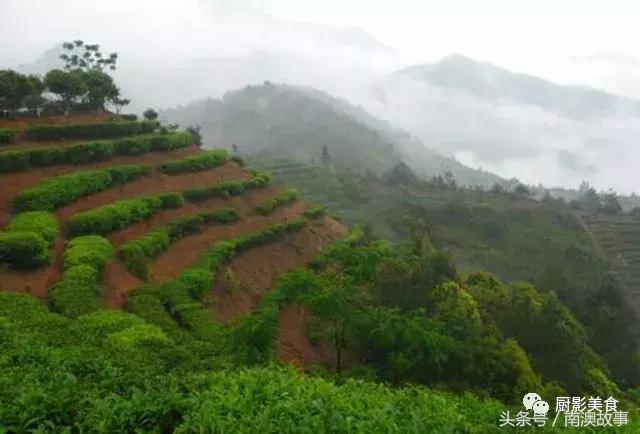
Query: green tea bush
{"x": 120, "y": 214}
{"x": 85, "y": 274}
{"x": 39, "y": 222}
{"x": 7, "y": 136}
{"x": 23, "y": 249}
{"x": 83, "y": 262}
{"x": 74, "y": 298}
{"x": 104, "y": 130}
{"x": 224, "y": 216}
{"x": 58, "y": 191}
{"x": 314, "y": 211}
{"x": 196, "y": 163}
{"x": 227, "y": 189}
{"x": 283, "y": 198}
{"x": 238, "y": 160}
{"x": 91, "y": 250}
{"x": 151, "y": 142}
{"x": 171, "y": 200}
{"x": 197, "y": 281}
{"x": 135, "y": 253}
{"x": 82, "y": 153}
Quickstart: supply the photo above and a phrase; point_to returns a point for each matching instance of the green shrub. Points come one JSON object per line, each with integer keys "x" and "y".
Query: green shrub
{"x": 224, "y": 216}
{"x": 197, "y": 281}
{"x": 135, "y": 335}
{"x": 83, "y": 261}
{"x": 23, "y": 249}
{"x": 129, "y": 117}
{"x": 227, "y": 189}
{"x": 42, "y": 223}
{"x": 58, "y": 191}
{"x": 91, "y": 250}
{"x": 314, "y": 211}
{"x": 120, "y": 214}
{"x": 282, "y": 198}
{"x": 206, "y": 160}
{"x": 85, "y": 274}
{"x": 73, "y": 298}
{"x": 103, "y": 130}
{"x": 7, "y": 136}
{"x": 82, "y": 153}
{"x": 171, "y": 200}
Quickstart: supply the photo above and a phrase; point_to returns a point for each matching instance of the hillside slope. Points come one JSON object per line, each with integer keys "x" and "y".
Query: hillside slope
{"x": 282, "y": 120}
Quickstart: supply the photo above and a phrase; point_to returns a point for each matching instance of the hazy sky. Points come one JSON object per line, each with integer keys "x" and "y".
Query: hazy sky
{"x": 540, "y": 37}
{"x": 166, "y": 49}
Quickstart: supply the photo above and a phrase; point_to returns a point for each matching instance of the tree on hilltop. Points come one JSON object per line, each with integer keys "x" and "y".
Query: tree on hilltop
{"x": 80, "y": 55}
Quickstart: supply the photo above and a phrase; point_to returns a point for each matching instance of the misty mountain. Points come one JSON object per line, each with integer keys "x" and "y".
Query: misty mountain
{"x": 493, "y": 83}
{"x": 295, "y": 121}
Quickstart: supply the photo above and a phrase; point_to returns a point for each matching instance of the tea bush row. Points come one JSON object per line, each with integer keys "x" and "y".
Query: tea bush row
{"x": 314, "y": 211}
{"x": 196, "y": 163}
{"x": 7, "y": 136}
{"x": 83, "y": 263}
{"x": 26, "y": 241}
{"x": 283, "y": 198}
{"x": 52, "y": 193}
{"x": 104, "y": 130}
{"x": 228, "y": 188}
{"x": 120, "y": 214}
{"x": 135, "y": 253}
{"x": 172, "y": 303}
{"x": 82, "y": 153}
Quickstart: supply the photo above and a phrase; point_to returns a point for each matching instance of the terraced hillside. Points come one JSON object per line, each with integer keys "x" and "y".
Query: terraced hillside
{"x": 95, "y": 208}
{"x": 505, "y": 234}
{"x": 619, "y": 239}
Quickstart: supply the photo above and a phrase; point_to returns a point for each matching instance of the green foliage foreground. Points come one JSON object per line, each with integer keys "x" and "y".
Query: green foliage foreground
{"x": 111, "y": 372}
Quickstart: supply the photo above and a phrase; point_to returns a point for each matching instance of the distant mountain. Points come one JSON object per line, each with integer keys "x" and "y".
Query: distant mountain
{"x": 48, "y": 60}
{"x": 491, "y": 82}
{"x": 294, "y": 121}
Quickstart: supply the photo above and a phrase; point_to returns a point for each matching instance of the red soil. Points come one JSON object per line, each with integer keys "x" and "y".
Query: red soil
{"x": 22, "y": 123}
{"x": 186, "y": 251}
{"x": 256, "y": 270}
{"x": 117, "y": 286}
{"x": 293, "y": 346}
